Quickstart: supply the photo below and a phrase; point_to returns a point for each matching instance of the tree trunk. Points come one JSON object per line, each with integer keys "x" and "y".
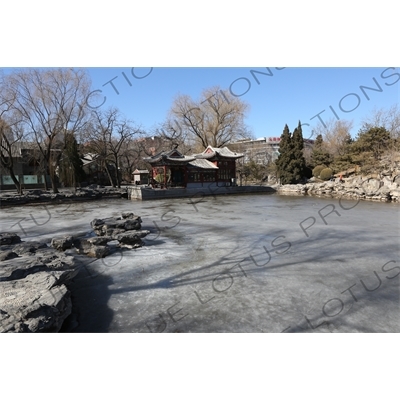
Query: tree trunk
{"x": 6, "y": 159}
{"x": 109, "y": 175}
{"x": 53, "y": 179}
{"x": 10, "y": 168}
{"x": 53, "y": 163}
{"x": 17, "y": 184}
{"x": 54, "y": 184}
{"x": 118, "y": 181}
{"x": 45, "y": 172}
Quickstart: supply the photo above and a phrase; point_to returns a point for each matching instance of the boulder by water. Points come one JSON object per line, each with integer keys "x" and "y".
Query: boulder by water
{"x": 34, "y": 278}
{"x": 368, "y": 188}
{"x": 33, "y": 292}
{"x": 126, "y": 230}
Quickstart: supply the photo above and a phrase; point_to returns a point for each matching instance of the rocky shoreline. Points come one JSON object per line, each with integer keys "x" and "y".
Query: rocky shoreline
{"x": 384, "y": 188}
{"x": 34, "y": 275}
{"x": 373, "y": 187}
{"x": 38, "y": 196}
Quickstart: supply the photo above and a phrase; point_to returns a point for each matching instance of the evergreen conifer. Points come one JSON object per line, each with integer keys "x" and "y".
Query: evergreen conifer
{"x": 298, "y": 163}
{"x": 320, "y": 156}
{"x": 285, "y": 157}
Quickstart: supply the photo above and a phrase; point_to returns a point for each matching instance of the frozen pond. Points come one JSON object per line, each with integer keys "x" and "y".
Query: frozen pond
{"x": 262, "y": 263}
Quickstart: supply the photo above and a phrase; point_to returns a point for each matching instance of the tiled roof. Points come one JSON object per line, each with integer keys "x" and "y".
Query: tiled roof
{"x": 209, "y": 152}
{"x": 172, "y": 155}
{"x": 204, "y": 164}
{"x": 223, "y": 152}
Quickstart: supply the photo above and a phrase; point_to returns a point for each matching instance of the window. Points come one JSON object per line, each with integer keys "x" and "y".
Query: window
{"x": 209, "y": 176}
{"x": 224, "y": 174}
{"x": 194, "y": 177}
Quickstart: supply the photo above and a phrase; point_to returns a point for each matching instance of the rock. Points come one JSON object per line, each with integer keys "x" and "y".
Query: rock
{"x": 20, "y": 267}
{"x": 9, "y": 238}
{"x": 34, "y": 304}
{"x": 7, "y": 255}
{"x": 62, "y": 244}
{"x": 132, "y": 224}
{"x": 94, "y": 186}
{"x": 124, "y": 229}
{"x": 108, "y": 231}
{"x": 93, "y": 247}
{"x": 35, "y": 192}
{"x": 372, "y": 187}
{"x": 292, "y": 189}
{"x": 386, "y": 180}
{"x": 28, "y": 247}
{"x": 97, "y": 222}
{"x": 113, "y": 226}
{"x": 33, "y": 277}
{"x": 395, "y": 195}
{"x": 98, "y": 251}
{"x": 99, "y": 241}
{"x": 127, "y": 215}
{"x": 384, "y": 191}
{"x": 33, "y": 295}
{"x": 39, "y": 196}
{"x": 131, "y": 239}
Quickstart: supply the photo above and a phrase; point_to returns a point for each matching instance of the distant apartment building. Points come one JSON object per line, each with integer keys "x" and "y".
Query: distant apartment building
{"x": 263, "y": 150}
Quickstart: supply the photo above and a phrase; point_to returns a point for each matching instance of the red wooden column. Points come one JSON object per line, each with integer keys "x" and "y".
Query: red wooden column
{"x": 165, "y": 176}
{"x": 153, "y": 174}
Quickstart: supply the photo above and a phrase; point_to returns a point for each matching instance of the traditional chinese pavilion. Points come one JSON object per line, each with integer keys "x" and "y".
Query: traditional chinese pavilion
{"x": 214, "y": 166}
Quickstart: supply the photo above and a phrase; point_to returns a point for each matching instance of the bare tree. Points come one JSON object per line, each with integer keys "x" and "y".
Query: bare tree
{"x": 9, "y": 140}
{"x": 128, "y": 159}
{"x": 216, "y": 119}
{"x": 336, "y": 135}
{"x": 109, "y": 135}
{"x": 49, "y": 104}
{"x": 172, "y": 134}
{"x": 11, "y": 134}
{"x": 385, "y": 118}
{"x": 133, "y": 152}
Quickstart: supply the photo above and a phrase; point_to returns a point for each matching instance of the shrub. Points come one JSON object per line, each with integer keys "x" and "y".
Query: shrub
{"x": 325, "y": 174}
{"x": 317, "y": 170}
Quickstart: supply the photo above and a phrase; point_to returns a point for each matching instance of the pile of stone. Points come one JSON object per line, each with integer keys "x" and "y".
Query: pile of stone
{"x": 33, "y": 292}
{"x": 379, "y": 188}
{"x": 33, "y": 276}
{"x": 92, "y": 192}
{"x": 123, "y": 232}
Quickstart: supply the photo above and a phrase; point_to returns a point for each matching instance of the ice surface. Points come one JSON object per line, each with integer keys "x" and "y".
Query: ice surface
{"x": 263, "y": 263}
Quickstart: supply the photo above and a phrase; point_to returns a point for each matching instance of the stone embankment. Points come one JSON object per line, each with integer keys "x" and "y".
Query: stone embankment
{"x": 373, "y": 187}
{"x": 34, "y": 275}
{"x": 34, "y": 196}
